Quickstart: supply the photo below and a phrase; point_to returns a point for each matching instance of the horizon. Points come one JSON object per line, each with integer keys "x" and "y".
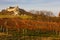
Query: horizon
{"x": 47, "y": 5}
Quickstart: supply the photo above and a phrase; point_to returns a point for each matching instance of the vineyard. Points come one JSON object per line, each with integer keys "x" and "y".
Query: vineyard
{"x": 28, "y": 29}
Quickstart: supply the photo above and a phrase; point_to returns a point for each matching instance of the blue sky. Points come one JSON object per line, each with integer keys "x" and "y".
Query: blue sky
{"x": 49, "y": 5}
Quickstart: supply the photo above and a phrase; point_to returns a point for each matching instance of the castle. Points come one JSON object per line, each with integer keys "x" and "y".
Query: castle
{"x": 14, "y": 9}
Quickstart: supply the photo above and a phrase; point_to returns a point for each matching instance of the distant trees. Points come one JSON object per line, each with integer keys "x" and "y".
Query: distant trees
{"x": 42, "y": 15}
{"x": 46, "y": 13}
{"x": 59, "y": 14}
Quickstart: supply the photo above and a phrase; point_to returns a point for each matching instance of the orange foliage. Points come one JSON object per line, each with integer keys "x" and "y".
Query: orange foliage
{"x": 29, "y": 24}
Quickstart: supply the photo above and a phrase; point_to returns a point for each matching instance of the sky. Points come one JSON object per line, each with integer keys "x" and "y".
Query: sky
{"x": 48, "y": 5}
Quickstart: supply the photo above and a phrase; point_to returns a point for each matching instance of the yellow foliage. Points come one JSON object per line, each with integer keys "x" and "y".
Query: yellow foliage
{"x": 14, "y": 16}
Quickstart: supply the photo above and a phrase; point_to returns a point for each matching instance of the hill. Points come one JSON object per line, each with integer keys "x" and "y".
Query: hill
{"x": 15, "y": 19}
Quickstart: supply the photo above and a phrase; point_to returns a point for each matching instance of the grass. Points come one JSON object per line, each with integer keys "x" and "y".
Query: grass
{"x": 14, "y": 16}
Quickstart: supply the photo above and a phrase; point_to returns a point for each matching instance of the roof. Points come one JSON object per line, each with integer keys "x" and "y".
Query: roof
{"x": 11, "y": 7}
